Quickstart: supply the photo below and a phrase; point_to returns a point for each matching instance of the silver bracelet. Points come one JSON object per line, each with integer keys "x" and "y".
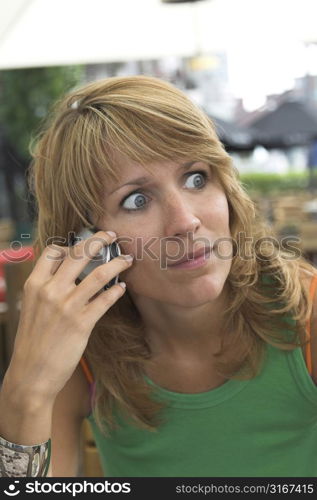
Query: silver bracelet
{"x": 17, "y": 460}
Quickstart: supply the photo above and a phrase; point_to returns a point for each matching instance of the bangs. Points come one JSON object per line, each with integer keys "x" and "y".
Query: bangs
{"x": 144, "y": 135}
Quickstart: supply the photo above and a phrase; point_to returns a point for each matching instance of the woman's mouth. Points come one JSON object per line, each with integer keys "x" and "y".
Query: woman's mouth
{"x": 194, "y": 263}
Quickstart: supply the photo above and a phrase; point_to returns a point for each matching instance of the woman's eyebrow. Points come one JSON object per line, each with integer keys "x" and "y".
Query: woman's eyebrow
{"x": 140, "y": 181}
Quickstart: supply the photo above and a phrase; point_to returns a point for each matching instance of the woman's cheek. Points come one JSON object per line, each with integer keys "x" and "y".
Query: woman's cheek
{"x": 222, "y": 210}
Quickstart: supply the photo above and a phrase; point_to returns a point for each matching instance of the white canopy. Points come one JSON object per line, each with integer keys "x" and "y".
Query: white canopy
{"x": 59, "y": 32}
{"x": 47, "y": 32}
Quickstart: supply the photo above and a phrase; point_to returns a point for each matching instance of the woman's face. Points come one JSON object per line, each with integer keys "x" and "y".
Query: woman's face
{"x": 177, "y": 209}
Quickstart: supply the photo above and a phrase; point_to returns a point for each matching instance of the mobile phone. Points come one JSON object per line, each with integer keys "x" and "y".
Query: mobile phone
{"x": 107, "y": 253}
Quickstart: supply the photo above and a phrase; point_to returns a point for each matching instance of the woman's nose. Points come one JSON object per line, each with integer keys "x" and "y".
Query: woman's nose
{"x": 180, "y": 217}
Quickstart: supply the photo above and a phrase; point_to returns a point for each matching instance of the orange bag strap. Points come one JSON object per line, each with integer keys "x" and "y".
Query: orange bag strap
{"x": 86, "y": 370}
{"x": 312, "y": 289}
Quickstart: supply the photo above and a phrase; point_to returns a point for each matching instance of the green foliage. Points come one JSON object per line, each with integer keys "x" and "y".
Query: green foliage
{"x": 26, "y": 96}
{"x": 261, "y": 183}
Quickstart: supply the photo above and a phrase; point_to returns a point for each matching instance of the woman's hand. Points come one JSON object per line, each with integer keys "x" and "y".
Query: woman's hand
{"x": 57, "y": 316}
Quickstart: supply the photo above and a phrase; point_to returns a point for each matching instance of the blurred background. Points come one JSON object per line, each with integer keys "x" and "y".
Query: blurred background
{"x": 250, "y": 64}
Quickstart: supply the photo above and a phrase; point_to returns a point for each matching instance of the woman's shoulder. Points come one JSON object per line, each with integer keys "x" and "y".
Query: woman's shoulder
{"x": 308, "y": 278}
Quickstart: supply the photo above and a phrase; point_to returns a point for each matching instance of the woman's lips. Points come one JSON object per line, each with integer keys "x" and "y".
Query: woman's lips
{"x": 194, "y": 263}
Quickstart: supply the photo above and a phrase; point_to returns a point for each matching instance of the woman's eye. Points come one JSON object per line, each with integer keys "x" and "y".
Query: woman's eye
{"x": 135, "y": 200}
{"x": 197, "y": 179}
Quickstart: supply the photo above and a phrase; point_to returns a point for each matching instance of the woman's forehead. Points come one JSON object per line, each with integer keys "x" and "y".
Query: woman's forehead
{"x": 132, "y": 172}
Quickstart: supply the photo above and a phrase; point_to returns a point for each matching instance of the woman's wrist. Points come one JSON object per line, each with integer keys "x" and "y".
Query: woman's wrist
{"x": 23, "y": 420}
{"x": 23, "y": 395}
{"x": 25, "y": 430}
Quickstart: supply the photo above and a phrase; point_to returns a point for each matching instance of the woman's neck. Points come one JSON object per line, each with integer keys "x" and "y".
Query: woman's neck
{"x": 179, "y": 332}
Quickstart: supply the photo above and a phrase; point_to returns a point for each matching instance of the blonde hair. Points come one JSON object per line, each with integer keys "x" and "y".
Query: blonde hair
{"x": 148, "y": 120}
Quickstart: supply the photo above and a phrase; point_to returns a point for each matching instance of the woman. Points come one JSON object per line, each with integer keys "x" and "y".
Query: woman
{"x": 196, "y": 369}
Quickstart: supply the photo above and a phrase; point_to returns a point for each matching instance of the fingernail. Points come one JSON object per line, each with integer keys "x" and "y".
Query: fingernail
{"x": 128, "y": 257}
{"x": 112, "y": 234}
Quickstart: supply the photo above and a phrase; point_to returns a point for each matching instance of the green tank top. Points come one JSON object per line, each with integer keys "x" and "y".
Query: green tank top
{"x": 263, "y": 427}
